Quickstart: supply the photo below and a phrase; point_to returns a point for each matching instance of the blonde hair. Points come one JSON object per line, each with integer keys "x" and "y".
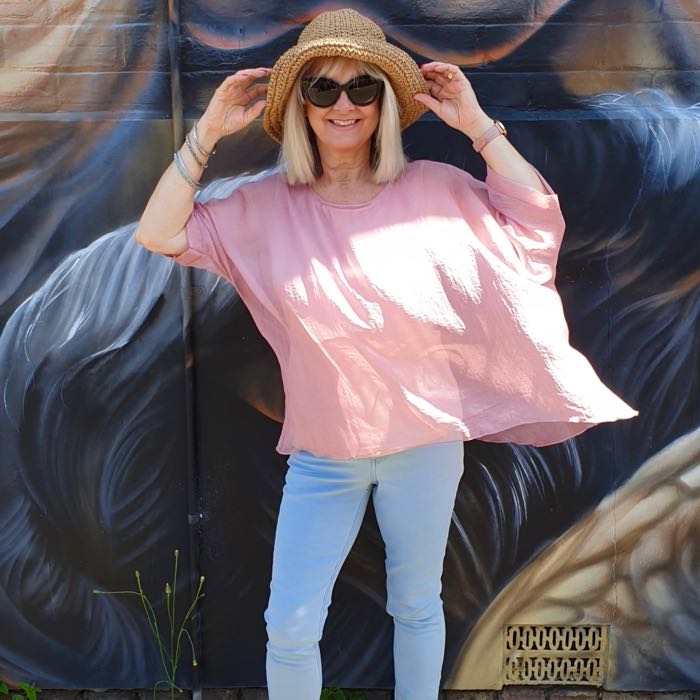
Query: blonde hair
{"x": 299, "y": 155}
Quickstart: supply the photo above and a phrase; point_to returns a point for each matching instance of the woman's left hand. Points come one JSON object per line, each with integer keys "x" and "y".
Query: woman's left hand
{"x": 452, "y": 99}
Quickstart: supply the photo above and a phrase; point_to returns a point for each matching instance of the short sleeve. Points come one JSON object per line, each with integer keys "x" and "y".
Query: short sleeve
{"x": 214, "y": 229}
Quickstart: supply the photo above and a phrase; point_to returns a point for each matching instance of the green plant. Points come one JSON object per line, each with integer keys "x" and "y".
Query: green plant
{"x": 29, "y": 691}
{"x": 170, "y": 643}
{"x": 336, "y": 693}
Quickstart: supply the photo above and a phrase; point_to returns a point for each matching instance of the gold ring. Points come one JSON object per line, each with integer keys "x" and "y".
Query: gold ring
{"x": 450, "y": 75}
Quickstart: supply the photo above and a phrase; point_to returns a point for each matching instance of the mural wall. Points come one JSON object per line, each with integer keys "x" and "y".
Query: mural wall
{"x": 140, "y": 407}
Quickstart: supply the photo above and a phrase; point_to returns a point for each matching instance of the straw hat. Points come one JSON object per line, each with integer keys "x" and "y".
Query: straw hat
{"x": 349, "y": 34}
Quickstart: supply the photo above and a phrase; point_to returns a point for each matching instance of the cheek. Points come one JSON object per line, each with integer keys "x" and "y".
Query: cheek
{"x": 312, "y": 118}
{"x": 374, "y": 116}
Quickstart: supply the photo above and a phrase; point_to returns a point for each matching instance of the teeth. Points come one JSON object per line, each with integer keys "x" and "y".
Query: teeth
{"x": 343, "y": 123}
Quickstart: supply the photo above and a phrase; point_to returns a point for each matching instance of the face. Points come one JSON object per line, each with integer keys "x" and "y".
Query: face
{"x": 343, "y": 128}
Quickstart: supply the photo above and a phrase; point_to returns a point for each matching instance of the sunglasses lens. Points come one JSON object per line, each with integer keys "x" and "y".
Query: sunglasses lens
{"x": 364, "y": 90}
{"x": 322, "y": 92}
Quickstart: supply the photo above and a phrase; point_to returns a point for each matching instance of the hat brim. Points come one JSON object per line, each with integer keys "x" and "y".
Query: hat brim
{"x": 403, "y": 72}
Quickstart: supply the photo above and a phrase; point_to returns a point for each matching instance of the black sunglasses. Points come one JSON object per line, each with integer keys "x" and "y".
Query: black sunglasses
{"x": 324, "y": 92}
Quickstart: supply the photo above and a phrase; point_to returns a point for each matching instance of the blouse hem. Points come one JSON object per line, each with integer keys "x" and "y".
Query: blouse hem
{"x": 578, "y": 425}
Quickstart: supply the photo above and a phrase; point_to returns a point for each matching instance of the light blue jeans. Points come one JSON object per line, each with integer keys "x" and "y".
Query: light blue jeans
{"x": 323, "y": 503}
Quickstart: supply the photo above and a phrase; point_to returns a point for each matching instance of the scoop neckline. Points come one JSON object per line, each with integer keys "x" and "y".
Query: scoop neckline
{"x": 315, "y": 195}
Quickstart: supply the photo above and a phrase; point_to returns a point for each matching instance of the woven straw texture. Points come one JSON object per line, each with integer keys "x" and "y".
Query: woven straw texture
{"x": 349, "y": 34}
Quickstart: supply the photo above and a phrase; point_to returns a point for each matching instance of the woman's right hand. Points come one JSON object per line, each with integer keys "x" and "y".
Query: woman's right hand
{"x": 233, "y": 106}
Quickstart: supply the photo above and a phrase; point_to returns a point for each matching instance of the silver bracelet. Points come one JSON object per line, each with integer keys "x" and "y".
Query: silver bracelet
{"x": 194, "y": 153}
{"x": 198, "y": 143}
{"x": 182, "y": 169}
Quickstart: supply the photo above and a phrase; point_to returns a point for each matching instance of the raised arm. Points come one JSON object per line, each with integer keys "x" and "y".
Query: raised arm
{"x": 453, "y": 100}
{"x": 232, "y": 107}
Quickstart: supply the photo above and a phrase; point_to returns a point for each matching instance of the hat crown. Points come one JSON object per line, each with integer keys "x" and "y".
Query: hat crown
{"x": 341, "y": 24}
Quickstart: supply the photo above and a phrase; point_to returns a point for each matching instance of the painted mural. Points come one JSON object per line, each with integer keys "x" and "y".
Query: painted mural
{"x": 140, "y": 407}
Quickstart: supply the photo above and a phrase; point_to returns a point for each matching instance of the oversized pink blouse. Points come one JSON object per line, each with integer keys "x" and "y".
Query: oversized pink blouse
{"x": 424, "y": 315}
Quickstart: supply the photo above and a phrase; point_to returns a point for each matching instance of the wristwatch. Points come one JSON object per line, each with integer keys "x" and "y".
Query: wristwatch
{"x": 496, "y": 129}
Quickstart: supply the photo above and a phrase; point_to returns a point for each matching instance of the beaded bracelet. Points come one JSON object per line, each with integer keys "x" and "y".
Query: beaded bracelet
{"x": 198, "y": 143}
{"x": 182, "y": 169}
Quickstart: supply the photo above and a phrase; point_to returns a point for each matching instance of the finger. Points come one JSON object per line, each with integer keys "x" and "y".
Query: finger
{"x": 252, "y": 94}
{"x": 444, "y": 81}
{"x": 442, "y": 89}
{"x": 232, "y": 84}
{"x": 253, "y": 72}
{"x": 438, "y": 84}
{"x": 430, "y": 65}
{"x": 244, "y": 77}
{"x": 256, "y": 90}
{"x": 440, "y": 67}
{"x": 433, "y": 88}
{"x": 241, "y": 84}
{"x": 234, "y": 79}
{"x": 242, "y": 91}
{"x": 446, "y": 73}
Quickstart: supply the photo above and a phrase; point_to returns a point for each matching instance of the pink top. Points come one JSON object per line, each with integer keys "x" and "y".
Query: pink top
{"x": 425, "y": 315}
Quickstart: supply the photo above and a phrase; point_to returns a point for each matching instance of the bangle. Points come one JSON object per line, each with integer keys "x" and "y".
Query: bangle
{"x": 496, "y": 129}
{"x": 182, "y": 169}
{"x": 194, "y": 153}
{"x": 198, "y": 143}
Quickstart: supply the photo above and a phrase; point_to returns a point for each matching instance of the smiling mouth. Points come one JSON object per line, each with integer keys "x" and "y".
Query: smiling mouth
{"x": 343, "y": 122}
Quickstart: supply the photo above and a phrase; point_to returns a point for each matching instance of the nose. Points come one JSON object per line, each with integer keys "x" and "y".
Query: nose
{"x": 344, "y": 102}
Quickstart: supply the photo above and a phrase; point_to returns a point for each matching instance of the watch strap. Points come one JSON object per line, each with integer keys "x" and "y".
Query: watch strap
{"x": 496, "y": 129}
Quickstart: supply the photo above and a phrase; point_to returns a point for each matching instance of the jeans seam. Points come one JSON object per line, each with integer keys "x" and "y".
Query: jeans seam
{"x": 341, "y": 559}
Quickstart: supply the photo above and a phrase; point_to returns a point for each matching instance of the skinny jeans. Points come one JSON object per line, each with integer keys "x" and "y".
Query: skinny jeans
{"x": 323, "y": 504}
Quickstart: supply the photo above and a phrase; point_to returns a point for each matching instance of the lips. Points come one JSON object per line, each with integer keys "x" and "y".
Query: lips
{"x": 343, "y": 122}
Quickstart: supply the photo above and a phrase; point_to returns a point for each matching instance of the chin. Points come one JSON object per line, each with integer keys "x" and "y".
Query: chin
{"x": 345, "y": 142}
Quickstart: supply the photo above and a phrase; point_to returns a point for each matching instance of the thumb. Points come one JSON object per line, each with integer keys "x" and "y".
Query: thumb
{"x": 255, "y": 111}
{"x": 429, "y": 101}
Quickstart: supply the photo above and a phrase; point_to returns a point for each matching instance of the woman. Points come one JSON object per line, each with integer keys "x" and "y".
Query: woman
{"x": 411, "y": 307}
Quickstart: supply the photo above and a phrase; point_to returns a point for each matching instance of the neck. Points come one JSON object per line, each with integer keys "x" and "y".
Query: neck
{"x": 345, "y": 170}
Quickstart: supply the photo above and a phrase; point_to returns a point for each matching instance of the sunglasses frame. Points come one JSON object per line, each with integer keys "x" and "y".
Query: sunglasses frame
{"x": 308, "y": 81}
